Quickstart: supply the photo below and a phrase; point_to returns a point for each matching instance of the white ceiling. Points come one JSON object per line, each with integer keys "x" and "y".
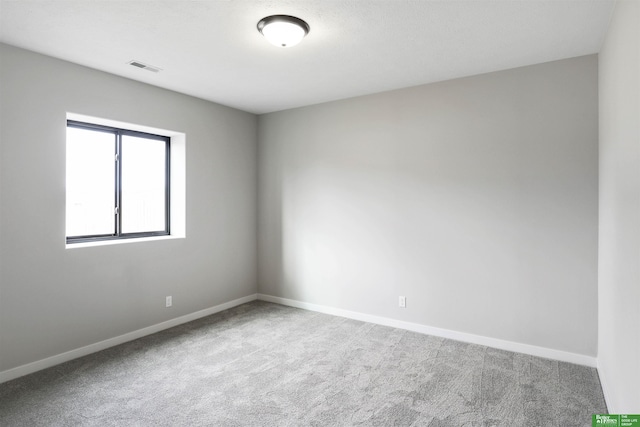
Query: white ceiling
{"x": 212, "y": 50}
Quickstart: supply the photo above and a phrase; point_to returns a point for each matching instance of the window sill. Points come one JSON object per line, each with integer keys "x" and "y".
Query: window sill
{"x": 120, "y": 241}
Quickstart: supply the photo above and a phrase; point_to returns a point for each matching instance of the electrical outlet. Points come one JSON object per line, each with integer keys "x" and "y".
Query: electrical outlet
{"x": 402, "y": 302}
{"x": 169, "y": 301}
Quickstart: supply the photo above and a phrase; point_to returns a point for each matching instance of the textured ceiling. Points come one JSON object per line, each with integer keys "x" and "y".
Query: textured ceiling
{"x": 212, "y": 50}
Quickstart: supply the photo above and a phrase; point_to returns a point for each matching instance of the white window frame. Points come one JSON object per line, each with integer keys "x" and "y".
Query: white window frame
{"x": 177, "y": 180}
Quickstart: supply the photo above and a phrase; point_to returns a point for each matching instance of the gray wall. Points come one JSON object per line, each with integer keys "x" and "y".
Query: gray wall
{"x": 475, "y": 198}
{"x": 619, "y": 258}
{"x": 54, "y": 299}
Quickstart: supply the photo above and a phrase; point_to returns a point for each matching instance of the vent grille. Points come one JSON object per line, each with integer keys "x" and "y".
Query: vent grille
{"x": 144, "y": 66}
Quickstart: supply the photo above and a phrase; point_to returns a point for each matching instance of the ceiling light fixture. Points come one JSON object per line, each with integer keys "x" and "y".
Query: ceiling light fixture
{"x": 283, "y": 30}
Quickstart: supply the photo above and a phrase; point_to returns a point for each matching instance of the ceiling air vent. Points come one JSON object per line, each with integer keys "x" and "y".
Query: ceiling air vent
{"x": 144, "y": 66}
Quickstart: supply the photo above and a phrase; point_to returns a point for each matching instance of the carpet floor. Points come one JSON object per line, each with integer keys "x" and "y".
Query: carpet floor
{"x": 262, "y": 364}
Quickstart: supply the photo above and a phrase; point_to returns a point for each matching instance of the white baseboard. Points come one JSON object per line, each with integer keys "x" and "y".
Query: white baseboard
{"x": 92, "y": 348}
{"x": 415, "y": 327}
{"x": 533, "y": 350}
{"x": 605, "y": 391}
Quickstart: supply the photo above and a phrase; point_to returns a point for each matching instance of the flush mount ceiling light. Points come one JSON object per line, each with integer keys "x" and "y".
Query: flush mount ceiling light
{"x": 283, "y": 30}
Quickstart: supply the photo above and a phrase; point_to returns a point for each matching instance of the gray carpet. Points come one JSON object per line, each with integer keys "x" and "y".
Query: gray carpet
{"x": 263, "y": 364}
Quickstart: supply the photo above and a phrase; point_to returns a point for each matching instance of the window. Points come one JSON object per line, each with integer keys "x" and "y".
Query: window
{"x": 118, "y": 183}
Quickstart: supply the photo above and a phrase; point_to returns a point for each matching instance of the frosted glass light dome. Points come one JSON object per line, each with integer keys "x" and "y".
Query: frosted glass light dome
{"x": 283, "y": 30}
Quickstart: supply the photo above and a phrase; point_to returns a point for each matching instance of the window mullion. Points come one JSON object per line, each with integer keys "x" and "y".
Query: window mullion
{"x": 118, "y": 196}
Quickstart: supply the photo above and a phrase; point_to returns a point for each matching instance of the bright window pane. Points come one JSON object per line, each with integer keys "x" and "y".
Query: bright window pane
{"x": 143, "y": 184}
{"x": 90, "y": 182}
